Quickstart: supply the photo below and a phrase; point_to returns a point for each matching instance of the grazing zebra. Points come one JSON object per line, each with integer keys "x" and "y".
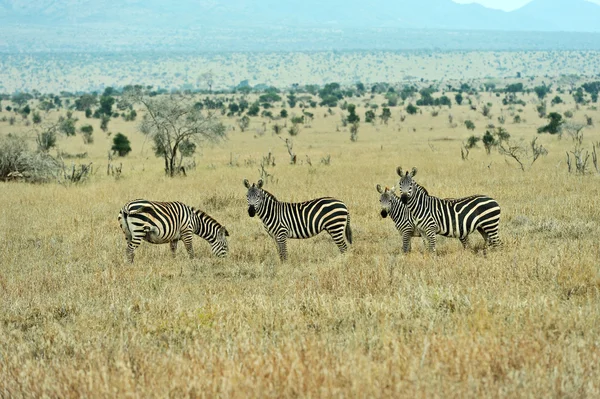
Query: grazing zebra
{"x": 169, "y": 222}
{"x": 284, "y": 220}
{"x": 391, "y": 205}
{"x": 450, "y": 217}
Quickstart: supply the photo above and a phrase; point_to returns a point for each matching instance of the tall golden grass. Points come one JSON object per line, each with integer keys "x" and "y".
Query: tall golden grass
{"x": 77, "y": 320}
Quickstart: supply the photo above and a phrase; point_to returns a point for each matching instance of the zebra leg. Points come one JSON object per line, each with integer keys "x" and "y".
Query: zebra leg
{"x": 338, "y": 238}
{"x": 186, "y": 237}
{"x": 464, "y": 241}
{"x": 174, "y": 247}
{"x": 131, "y": 246}
{"x": 406, "y": 238}
{"x": 431, "y": 240}
{"x": 281, "y": 241}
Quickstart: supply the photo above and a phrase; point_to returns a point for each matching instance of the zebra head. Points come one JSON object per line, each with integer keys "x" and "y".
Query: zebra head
{"x": 406, "y": 184}
{"x": 255, "y": 196}
{"x": 220, "y": 246}
{"x": 385, "y": 199}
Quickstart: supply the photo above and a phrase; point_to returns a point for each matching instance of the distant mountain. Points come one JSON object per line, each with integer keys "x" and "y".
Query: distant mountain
{"x": 563, "y": 15}
{"x": 539, "y": 15}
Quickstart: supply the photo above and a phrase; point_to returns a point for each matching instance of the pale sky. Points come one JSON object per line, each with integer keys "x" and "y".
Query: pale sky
{"x": 506, "y": 5}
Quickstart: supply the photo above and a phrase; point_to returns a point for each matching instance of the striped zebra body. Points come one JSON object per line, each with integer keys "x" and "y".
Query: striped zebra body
{"x": 169, "y": 222}
{"x": 450, "y": 217}
{"x": 399, "y": 213}
{"x": 284, "y": 220}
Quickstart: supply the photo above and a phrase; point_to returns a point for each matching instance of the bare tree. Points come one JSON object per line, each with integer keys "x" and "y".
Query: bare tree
{"x": 209, "y": 78}
{"x": 174, "y": 123}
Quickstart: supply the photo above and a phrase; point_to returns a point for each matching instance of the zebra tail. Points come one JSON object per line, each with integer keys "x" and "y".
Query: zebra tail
{"x": 348, "y": 231}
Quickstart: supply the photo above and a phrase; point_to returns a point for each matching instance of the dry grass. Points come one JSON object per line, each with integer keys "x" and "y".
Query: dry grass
{"x": 76, "y": 320}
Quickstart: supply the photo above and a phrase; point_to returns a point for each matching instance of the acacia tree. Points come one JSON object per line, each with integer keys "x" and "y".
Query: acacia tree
{"x": 172, "y": 122}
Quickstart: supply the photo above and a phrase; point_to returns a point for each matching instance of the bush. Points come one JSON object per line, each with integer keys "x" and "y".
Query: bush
{"x": 411, "y": 109}
{"x": 283, "y": 113}
{"x": 469, "y": 124}
{"x": 121, "y": 145}
{"x": 36, "y": 118}
{"x": 18, "y": 163}
{"x": 87, "y": 131}
{"x": 555, "y": 125}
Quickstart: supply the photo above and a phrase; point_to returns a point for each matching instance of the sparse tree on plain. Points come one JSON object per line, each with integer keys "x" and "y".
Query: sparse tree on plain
{"x": 173, "y": 120}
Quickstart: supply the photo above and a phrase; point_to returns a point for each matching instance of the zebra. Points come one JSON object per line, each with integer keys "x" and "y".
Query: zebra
{"x": 169, "y": 222}
{"x": 284, "y": 220}
{"x": 450, "y": 217}
{"x": 391, "y": 205}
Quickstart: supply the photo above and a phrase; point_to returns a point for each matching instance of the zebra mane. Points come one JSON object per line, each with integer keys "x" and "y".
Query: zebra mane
{"x": 421, "y": 188}
{"x": 204, "y": 215}
{"x": 268, "y": 194}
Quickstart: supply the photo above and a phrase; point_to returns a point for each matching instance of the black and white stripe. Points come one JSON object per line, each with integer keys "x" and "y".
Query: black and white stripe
{"x": 450, "y": 217}
{"x": 169, "y": 222}
{"x": 399, "y": 213}
{"x": 284, "y": 220}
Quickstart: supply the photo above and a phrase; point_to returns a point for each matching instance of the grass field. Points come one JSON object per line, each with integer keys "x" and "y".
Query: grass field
{"x": 77, "y": 320}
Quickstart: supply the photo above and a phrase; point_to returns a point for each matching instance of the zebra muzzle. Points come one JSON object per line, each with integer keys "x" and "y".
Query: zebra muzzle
{"x": 251, "y": 211}
{"x": 384, "y": 213}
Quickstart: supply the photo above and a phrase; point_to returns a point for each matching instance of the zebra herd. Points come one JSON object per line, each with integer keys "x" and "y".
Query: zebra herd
{"x": 414, "y": 212}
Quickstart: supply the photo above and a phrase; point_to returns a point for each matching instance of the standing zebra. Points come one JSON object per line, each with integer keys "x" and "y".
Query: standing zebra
{"x": 284, "y": 220}
{"x": 391, "y": 205}
{"x": 450, "y": 217}
{"x": 169, "y": 222}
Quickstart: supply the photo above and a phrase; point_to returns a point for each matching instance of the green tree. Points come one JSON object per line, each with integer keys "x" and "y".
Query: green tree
{"x": 292, "y": 100}
{"x": 121, "y": 145}
{"x": 67, "y": 126}
{"x": 458, "y": 98}
{"x": 254, "y": 109}
{"x": 106, "y": 104}
{"x": 86, "y": 101}
{"x": 283, "y": 113}
{"x": 386, "y": 114}
{"x": 514, "y": 88}
{"x": 555, "y": 125}
{"x": 36, "y": 118}
{"x": 411, "y": 109}
{"x": 369, "y": 116}
{"x": 541, "y": 91}
{"x": 244, "y": 122}
{"x": 104, "y": 119}
{"x": 87, "y": 132}
{"x": 556, "y": 100}
{"x": 469, "y": 124}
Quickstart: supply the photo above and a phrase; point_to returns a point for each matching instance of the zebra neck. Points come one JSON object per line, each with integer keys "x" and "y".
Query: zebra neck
{"x": 267, "y": 205}
{"x": 201, "y": 225}
{"x": 419, "y": 196}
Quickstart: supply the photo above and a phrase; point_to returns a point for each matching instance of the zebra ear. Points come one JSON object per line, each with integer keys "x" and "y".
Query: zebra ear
{"x": 399, "y": 171}
{"x": 224, "y": 231}
{"x": 379, "y": 189}
{"x": 413, "y": 172}
{"x": 246, "y": 183}
{"x": 259, "y": 184}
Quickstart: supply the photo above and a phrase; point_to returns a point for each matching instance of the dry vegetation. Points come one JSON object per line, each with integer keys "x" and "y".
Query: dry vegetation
{"x": 76, "y": 320}
{"x": 75, "y": 72}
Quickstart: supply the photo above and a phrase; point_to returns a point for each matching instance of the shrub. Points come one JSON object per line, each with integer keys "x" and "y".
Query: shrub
{"x": 121, "y": 145}
{"x": 411, "y": 109}
{"x": 87, "y": 131}
{"x": 17, "y": 162}
{"x": 469, "y": 124}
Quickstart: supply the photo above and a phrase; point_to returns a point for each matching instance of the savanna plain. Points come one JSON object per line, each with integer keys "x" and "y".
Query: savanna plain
{"x": 522, "y": 321}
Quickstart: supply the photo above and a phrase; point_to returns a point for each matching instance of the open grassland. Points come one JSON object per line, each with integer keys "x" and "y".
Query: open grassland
{"x": 90, "y": 71}
{"x": 76, "y": 320}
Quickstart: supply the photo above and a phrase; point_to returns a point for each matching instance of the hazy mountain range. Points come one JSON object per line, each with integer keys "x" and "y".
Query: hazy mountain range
{"x": 538, "y": 15}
